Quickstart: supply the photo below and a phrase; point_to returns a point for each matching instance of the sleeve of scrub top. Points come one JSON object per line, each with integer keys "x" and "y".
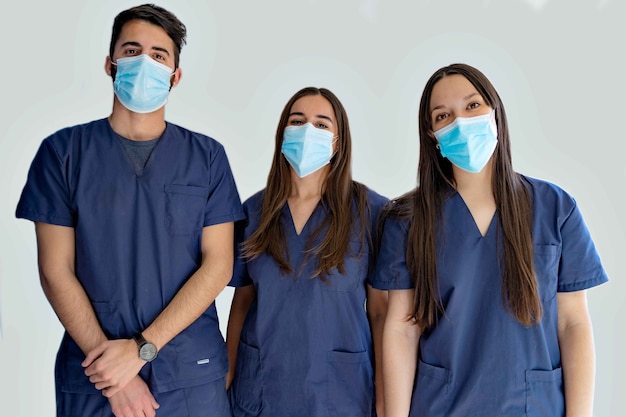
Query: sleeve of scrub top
{"x": 223, "y": 204}
{"x": 580, "y": 266}
{"x": 391, "y": 270}
{"x": 241, "y": 278}
{"x": 376, "y": 203}
{"x": 240, "y": 269}
{"x": 45, "y": 197}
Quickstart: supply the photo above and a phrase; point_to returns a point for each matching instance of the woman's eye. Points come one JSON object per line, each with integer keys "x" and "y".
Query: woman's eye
{"x": 473, "y": 105}
{"x": 296, "y": 122}
{"x": 322, "y": 126}
{"x": 441, "y": 117}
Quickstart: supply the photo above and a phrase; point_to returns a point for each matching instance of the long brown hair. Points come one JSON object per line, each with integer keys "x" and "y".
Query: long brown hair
{"x": 423, "y": 206}
{"x": 339, "y": 193}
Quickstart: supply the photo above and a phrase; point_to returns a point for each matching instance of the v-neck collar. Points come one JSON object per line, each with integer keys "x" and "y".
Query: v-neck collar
{"x": 469, "y": 214}
{"x": 115, "y": 137}
{"x": 292, "y": 225}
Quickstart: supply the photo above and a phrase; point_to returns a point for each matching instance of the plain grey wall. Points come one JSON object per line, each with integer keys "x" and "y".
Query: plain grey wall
{"x": 557, "y": 65}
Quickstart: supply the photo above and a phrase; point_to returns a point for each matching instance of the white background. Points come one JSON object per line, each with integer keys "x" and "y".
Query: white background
{"x": 558, "y": 66}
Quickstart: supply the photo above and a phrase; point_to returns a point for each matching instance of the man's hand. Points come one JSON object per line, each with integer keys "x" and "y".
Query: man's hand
{"x": 112, "y": 364}
{"x": 135, "y": 399}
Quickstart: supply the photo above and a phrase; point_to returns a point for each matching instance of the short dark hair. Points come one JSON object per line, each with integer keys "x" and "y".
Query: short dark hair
{"x": 156, "y": 15}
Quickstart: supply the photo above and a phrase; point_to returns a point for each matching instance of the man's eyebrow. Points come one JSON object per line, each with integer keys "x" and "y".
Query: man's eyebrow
{"x": 154, "y": 48}
{"x": 131, "y": 43}
{"x": 161, "y": 49}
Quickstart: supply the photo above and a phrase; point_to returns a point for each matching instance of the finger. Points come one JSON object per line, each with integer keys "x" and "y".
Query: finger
{"x": 95, "y": 379}
{"x": 93, "y": 354}
{"x": 149, "y": 412}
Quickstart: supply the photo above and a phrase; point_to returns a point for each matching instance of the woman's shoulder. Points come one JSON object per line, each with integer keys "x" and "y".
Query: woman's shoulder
{"x": 255, "y": 201}
{"x": 544, "y": 188}
{"x": 374, "y": 198}
{"x": 547, "y": 195}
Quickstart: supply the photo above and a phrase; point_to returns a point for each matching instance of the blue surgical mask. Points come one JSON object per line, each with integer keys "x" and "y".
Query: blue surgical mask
{"x": 469, "y": 142}
{"x": 142, "y": 84}
{"x": 307, "y": 148}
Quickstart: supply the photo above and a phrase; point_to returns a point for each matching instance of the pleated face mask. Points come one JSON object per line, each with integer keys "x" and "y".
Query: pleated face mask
{"x": 307, "y": 148}
{"x": 469, "y": 142}
{"x": 142, "y": 84}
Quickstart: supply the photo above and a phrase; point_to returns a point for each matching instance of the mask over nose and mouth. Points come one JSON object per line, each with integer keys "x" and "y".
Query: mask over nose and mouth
{"x": 469, "y": 142}
{"x": 307, "y": 148}
{"x": 141, "y": 84}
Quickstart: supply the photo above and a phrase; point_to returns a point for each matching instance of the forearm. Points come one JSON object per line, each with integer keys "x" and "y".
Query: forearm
{"x": 73, "y": 308}
{"x": 242, "y": 299}
{"x": 200, "y": 290}
{"x": 578, "y": 365}
{"x": 376, "y": 324}
{"x": 194, "y": 297}
{"x": 56, "y": 261}
{"x": 377, "y": 305}
{"x": 399, "y": 368}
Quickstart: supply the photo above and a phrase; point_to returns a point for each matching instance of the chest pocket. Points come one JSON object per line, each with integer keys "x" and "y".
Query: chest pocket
{"x": 184, "y": 208}
{"x": 546, "y": 259}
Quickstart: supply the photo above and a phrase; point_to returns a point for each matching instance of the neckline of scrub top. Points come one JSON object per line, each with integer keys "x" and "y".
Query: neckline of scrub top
{"x": 469, "y": 213}
{"x": 291, "y": 222}
{"x": 129, "y": 164}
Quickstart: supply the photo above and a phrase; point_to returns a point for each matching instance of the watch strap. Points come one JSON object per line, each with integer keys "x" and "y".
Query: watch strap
{"x": 139, "y": 339}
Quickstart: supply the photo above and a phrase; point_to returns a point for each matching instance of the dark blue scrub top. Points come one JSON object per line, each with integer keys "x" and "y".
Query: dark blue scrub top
{"x": 137, "y": 238}
{"x": 306, "y": 346}
{"x": 478, "y": 360}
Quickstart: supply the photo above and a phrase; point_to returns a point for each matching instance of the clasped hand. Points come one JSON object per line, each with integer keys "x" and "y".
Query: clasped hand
{"x": 112, "y": 364}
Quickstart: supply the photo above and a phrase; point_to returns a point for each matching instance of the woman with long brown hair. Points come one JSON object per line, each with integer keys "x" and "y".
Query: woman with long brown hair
{"x": 487, "y": 271}
{"x": 299, "y": 339}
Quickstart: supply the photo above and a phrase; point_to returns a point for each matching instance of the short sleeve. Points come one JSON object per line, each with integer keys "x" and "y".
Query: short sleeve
{"x": 391, "y": 270}
{"x": 376, "y": 203}
{"x": 240, "y": 277}
{"x": 46, "y": 197}
{"x": 580, "y": 266}
{"x": 223, "y": 204}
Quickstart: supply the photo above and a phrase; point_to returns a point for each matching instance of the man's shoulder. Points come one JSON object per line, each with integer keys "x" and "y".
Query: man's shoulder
{"x": 183, "y": 133}
{"x": 87, "y": 129}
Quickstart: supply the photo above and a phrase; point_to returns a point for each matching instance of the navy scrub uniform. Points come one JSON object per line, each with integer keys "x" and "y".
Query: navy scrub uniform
{"x": 306, "y": 345}
{"x": 478, "y": 360}
{"x": 138, "y": 239}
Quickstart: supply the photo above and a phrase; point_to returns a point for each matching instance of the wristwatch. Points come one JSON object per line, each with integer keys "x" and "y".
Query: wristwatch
{"x": 147, "y": 351}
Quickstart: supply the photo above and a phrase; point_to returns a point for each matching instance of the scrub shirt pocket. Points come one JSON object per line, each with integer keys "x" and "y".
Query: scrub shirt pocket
{"x": 546, "y": 259}
{"x": 431, "y": 389}
{"x": 247, "y": 391}
{"x": 184, "y": 208}
{"x": 350, "y": 384}
{"x": 544, "y": 393}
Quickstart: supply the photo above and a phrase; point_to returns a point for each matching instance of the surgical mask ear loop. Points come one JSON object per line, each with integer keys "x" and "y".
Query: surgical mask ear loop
{"x": 332, "y": 145}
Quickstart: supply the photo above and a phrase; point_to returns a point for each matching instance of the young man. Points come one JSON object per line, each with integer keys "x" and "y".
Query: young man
{"x": 134, "y": 222}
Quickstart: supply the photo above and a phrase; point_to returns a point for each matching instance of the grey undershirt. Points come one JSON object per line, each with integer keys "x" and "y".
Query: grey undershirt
{"x": 138, "y": 152}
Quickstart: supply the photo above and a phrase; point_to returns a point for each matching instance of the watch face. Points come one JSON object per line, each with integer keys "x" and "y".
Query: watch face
{"x": 148, "y": 352}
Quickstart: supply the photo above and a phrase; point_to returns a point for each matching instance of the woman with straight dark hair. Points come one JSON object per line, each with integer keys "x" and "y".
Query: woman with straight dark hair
{"x": 299, "y": 339}
{"x": 487, "y": 270}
